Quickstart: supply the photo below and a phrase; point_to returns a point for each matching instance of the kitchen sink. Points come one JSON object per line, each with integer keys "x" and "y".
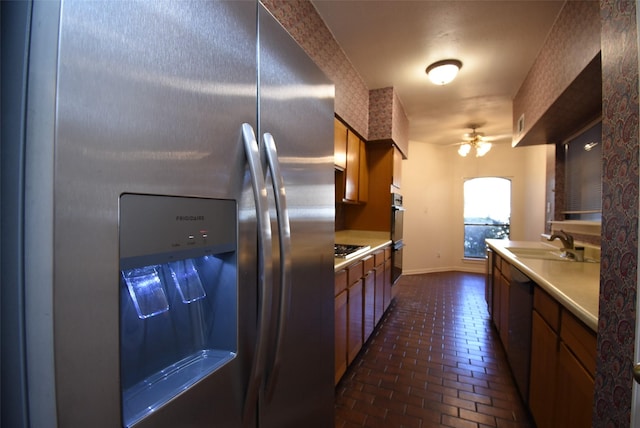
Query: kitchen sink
{"x": 544, "y": 254}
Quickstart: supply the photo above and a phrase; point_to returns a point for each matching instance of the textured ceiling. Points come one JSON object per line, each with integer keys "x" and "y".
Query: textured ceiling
{"x": 390, "y": 43}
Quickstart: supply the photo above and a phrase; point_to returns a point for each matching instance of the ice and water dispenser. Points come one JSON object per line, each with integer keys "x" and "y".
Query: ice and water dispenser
{"x": 178, "y": 296}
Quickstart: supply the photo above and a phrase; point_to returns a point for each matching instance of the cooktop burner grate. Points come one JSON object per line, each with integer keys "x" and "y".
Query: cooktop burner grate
{"x": 345, "y": 251}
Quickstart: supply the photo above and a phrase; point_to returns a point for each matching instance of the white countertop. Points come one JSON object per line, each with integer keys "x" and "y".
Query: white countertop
{"x": 375, "y": 240}
{"x": 575, "y": 285}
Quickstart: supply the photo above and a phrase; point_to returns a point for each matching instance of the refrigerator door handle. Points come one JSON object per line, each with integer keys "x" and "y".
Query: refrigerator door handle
{"x": 265, "y": 261}
{"x": 284, "y": 235}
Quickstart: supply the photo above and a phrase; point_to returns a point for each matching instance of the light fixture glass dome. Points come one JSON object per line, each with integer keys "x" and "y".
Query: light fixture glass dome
{"x": 443, "y": 72}
{"x": 464, "y": 149}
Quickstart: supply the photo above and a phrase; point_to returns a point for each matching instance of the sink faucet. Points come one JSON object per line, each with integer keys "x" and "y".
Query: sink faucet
{"x": 564, "y": 237}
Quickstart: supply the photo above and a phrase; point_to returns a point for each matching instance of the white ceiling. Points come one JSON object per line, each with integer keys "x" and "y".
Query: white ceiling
{"x": 391, "y": 42}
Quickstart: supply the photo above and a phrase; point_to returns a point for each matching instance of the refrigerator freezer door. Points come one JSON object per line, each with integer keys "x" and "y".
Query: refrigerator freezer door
{"x": 296, "y": 108}
{"x": 147, "y": 98}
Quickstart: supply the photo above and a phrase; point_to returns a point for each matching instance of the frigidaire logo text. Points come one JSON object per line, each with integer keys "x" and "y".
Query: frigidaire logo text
{"x": 189, "y": 218}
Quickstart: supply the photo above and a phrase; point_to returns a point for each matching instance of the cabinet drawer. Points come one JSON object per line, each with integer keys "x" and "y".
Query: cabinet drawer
{"x": 340, "y": 282}
{"x": 378, "y": 257}
{"x": 547, "y": 307}
{"x": 387, "y": 253}
{"x": 506, "y": 270}
{"x": 580, "y": 339}
{"x": 497, "y": 263}
{"x": 368, "y": 263}
{"x": 354, "y": 273}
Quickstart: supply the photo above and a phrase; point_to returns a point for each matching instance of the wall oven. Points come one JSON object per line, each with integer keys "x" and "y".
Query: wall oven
{"x": 397, "y": 217}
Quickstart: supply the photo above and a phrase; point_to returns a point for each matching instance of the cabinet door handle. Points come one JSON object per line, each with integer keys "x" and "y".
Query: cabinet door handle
{"x": 636, "y": 372}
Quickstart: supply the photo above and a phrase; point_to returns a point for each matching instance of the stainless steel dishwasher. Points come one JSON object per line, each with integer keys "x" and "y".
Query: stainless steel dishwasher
{"x": 520, "y": 311}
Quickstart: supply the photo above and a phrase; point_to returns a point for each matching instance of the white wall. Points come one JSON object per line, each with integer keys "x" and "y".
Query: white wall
{"x": 432, "y": 187}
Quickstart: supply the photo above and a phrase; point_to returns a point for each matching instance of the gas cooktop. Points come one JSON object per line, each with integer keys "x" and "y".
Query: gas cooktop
{"x": 347, "y": 251}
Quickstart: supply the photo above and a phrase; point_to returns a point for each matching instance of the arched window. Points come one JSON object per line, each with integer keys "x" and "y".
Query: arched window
{"x": 487, "y": 213}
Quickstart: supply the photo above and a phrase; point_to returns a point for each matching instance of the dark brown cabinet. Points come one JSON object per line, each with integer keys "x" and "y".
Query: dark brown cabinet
{"x": 341, "y": 321}
{"x": 354, "y": 311}
{"x": 501, "y": 287}
{"x": 369, "y": 284}
{"x": 362, "y": 294}
{"x": 563, "y": 354}
{"x": 350, "y": 160}
{"x": 379, "y": 285}
{"x": 356, "y": 189}
{"x": 545, "y": 340}
{"x": 387, "y": 292}
{"x": 575, "y": 384}
{"x": 339, "y": 144}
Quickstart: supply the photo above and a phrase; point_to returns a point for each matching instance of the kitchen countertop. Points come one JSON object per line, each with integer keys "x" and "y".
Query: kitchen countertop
{"x": 575, "y": 285}
{"x": 376, "y": 240}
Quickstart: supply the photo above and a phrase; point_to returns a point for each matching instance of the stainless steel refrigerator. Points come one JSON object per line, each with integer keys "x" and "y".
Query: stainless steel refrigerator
{"x": 167, "y": 218}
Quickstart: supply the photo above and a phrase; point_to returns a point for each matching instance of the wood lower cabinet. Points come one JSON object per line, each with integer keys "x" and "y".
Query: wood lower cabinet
{"x": 574, "y": 391}
{"x": 355, "y": 313}
{"x": 563, "y": 352}
{"x": 362, "y": 292}
{"x": 544, "y": 360}
{"x": 368, "y": 301}
{"x": 563, "y": 355}
{"x": 379, "y": 270}
{"x": 387, "y": 293}
{"x": 340, "y": 307}
{"x": 575, "y": 383}
{"x": 501, "y": 286}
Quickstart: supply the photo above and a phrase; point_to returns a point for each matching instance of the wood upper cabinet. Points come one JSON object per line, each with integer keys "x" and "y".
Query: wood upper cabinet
{"x": 363, "y": 172}
{"x": 383, "y": 178}
{"x": 339, "y": 144}
{"x": 396, "y": 180}
{"x": 350, "y": 160}
{"x": 356, "y": 176}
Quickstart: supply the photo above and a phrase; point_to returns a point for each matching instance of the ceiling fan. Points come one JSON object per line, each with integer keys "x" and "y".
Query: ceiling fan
{"x": 475, "y": 140}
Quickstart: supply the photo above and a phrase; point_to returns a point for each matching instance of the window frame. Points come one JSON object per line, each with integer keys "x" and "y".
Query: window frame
{"x": 466, "y": 224}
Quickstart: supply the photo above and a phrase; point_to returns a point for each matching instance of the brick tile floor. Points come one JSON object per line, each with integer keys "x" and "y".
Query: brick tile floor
{"x": 434, "y": 360}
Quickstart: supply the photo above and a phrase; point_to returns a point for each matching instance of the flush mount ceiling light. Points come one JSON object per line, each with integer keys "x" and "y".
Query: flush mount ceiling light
{"x": 474, "y": 140}
{"x": 443, "y": 72}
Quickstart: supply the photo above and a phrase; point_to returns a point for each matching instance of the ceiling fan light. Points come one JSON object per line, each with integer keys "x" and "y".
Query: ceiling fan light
{"x": 443, "y": 72}
{"x": 464, "y": 149}
{"x": 482, "y": 148}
